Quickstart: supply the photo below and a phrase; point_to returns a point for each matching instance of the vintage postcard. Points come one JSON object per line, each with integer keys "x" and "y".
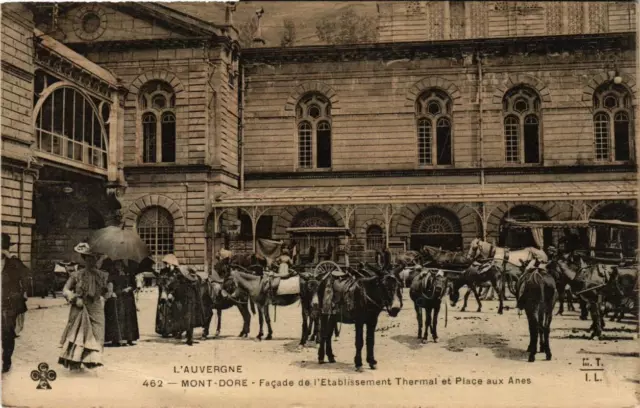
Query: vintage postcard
{"x": 320, "y": 204}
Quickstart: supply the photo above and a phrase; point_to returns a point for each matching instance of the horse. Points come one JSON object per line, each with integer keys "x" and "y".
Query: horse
{"x": 357, "y": 301}
{"x": 472, "y": 277}
{"x": 445, "y": 259}
{"x": 213, "y": 299}
{"x": 484, "y": 249}
{"x": 427, "y": 290}
{"x": 537, "y": 298}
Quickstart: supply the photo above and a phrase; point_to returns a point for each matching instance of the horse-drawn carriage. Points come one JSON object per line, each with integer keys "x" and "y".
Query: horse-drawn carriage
{"x": 597, "y": 241}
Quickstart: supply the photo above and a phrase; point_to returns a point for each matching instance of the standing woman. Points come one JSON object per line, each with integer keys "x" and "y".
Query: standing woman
{"x": 123, "y": 286}
{"x": 112, "y": 330}
{"x": 83, "y": 337}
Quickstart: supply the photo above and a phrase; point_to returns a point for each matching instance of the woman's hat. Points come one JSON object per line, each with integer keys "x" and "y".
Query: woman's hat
{"x": 85, "y": 249}
{"x": 6, "y": 241}
{"x": 171, "y": 259}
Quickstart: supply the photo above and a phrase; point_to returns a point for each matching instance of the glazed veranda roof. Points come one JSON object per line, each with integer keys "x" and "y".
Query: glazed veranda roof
{"x": 409, "y": 194}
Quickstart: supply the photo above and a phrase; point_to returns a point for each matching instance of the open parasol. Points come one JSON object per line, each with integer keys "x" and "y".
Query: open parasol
{"x": 119, "y": 244}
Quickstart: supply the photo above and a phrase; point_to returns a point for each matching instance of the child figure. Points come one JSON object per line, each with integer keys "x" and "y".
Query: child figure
{"x": 284, "y": 261}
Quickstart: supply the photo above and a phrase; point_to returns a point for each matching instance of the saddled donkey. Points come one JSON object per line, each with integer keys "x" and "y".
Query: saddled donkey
{"x": 537, "y": 295}
{"x": 216, "y": 293}
{"x": 358, "y": 301}
{"x": 427, "y": 290}
{"x": 270, "y": 290}
{"x": 473, "y": 277}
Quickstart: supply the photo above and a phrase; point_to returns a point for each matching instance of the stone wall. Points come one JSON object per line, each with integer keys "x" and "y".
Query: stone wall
{"x": 16, "y": 128}
{"x": 373, "y": 111}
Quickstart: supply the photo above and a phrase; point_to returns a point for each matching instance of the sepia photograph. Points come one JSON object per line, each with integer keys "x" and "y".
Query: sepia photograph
{"x": 319, "y": 204}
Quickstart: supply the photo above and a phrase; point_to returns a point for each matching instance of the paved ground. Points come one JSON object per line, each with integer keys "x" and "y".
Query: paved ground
{"x": 474, "y": 346}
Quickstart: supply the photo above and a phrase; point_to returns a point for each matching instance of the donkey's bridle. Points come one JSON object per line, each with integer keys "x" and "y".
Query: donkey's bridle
{"x": 381, "y": 283}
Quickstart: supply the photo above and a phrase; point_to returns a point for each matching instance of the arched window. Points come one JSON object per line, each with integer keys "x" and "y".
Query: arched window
{"x": 612, "y": 125}
{"x": 521, "y": 109}
{"x": 433, "y": 111}
{"x": 436, "y": 227}
{"x": 158, "y": 116}
{"x": 69, "y": 125}
{"x": 375, "y": 238}
{"x": 523, "y": 237}
{"x": 155, "y": 227}
{"x": 313, "y": 114}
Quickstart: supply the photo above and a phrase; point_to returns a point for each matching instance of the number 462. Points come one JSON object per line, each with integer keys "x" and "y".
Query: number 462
{"x": 152, "y": 383}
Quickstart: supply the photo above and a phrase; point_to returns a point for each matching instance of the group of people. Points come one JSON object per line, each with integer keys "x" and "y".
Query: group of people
{"x": 91, "y": 321}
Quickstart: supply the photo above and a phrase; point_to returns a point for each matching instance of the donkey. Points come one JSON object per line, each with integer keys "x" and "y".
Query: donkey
{"x": 537, "y": 296}
{"x": 357, "y": 301}
{"x": 214, "y": 299}
{"x": 427, "y": 291}
{"x": 472, "y": 277}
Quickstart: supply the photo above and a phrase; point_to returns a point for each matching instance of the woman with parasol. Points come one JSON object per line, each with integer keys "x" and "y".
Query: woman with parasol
{"x": 127, "y": 253}
{"x": 83, "y": 337}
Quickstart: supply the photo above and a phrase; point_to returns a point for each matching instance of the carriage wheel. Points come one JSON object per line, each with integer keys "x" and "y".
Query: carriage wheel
{"x": 326, "y": 267}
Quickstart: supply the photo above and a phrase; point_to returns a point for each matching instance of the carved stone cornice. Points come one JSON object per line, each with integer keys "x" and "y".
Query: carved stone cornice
{"x": 441, "y": 49}
{"x": 435, "y": 172}
{"x": 70, "y": 71}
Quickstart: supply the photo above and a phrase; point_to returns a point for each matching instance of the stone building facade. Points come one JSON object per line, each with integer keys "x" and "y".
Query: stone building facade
{"x": 465, "y": 114}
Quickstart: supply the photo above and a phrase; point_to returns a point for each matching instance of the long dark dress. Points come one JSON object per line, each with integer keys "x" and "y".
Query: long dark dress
{"x": 112, "y": 330}
{"x": 126, "y": 308}
{"x": 83, "y": 338}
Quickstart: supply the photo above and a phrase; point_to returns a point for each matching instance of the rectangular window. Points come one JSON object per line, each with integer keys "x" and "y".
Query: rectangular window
{"x": 621, "y": 131}
{"x": 601, "y": 130}
{"x": 443, "y": 145}
{"x": 324, "y": 149}
{"x": 531, "y": 145}
{"x": 511, "y": 141}
{"x": 424, "y": 142}
{"x": 168, "y": 142}
{"x": 304, "y": 146}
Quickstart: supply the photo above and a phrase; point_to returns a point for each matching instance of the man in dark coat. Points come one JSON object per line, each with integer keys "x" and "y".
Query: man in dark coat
{"x": 13, "y": 299}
